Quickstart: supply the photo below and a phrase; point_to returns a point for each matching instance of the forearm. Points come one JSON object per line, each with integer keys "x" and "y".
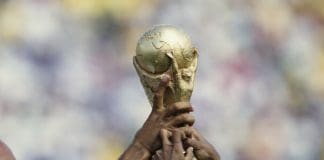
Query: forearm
{"x": 136, "y": 152}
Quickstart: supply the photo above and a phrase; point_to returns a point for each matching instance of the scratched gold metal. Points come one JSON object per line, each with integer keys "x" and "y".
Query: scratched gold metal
{"x": 166, "y": 50}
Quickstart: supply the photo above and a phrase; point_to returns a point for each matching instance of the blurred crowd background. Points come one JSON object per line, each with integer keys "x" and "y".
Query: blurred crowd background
{"x": 68, "y": 89}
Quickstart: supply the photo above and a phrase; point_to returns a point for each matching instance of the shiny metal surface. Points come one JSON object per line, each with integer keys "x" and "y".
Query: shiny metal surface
{"x": 165, "y": 49}
{"x": 155, "y": 43}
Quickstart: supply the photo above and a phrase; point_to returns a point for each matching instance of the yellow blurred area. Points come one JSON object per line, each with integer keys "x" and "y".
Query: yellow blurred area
{"x": 109, "y": 151}
{"x": 15, "y": 17}
{"x": 93, "y": 8}
{"x": 281, "y": 17}
{"x": 316, "y": 80}
{"x": 315, "y": 7}
{"x": 11, "y": 21}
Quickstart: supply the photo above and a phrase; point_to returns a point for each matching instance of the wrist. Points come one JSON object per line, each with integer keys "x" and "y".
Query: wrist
{"x": 136, "y": 151}
{"x": 143, "y": 141}
{"x": 144, "y": 147}
{"x": 146, "y": 136}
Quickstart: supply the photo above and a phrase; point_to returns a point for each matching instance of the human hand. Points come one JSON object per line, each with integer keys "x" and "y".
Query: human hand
{"x": 163, "y": 117}
{"x": 203, "y": 150}
{"x": 147, "y": 139}
{"x": 172, "y": 149}
{"x": 5, "y": 153}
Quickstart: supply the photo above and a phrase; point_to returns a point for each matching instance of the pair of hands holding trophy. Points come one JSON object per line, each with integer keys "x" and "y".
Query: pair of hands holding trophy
{"x": 168, "y": 134}
{"x": 166, "y": 63}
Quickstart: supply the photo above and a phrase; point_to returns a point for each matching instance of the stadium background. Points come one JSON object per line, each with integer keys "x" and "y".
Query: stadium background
{"x": 68, "y": 89}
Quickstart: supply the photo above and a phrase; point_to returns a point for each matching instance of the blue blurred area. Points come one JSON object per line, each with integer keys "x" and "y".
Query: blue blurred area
{"x": 68, "y": 89}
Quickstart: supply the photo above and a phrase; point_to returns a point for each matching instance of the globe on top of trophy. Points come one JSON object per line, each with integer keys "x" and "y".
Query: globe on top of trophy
{"x": 155, "y": 43}
{"x": 166, "y": 50}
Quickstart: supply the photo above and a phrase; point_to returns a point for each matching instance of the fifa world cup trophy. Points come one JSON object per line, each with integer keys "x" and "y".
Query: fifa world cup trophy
{"x": 165, "y": 50}
{"x": 166, "y": 63}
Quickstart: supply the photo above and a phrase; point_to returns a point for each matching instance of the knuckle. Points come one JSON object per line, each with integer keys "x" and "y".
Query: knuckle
{"x": 182, "y": 104}
{"x": 162, "y": 132}
{"x": 156, "y": 111}
{"x": 186, "y": 118}
{"x": 176, "y": 107}
{"x": 169, "y": 110}
{"x": 189, "y": 118}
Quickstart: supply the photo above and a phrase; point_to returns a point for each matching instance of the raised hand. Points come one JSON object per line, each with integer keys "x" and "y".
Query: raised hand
{"x": 162, "y": 117}
{"x": 147, "y": 139}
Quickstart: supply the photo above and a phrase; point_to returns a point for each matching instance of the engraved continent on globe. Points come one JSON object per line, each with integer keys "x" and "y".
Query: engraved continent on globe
{"x": 153, "y": 46}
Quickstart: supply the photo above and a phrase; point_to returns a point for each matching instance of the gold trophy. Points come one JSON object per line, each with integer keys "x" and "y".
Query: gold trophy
{"x": 166, "y": 50}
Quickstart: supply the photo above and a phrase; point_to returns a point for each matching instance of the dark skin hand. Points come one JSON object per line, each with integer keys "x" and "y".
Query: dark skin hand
{"x": 172, "y": 147}
{"x": 147, "y": 139}
{"x": 202, "y": 149}
{"x": 191, "y": 138}
{"x": 5, "y": 153}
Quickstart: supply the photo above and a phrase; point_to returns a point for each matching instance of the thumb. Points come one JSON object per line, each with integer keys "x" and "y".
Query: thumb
{"x": 160, "y": 91}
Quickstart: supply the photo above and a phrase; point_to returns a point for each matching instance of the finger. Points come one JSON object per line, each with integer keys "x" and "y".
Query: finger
{"x": 196, "y": 135}
{"x": 177, "y": 143}
{"x": 189, "y": 153}
{"x": 194, "y": 143}
{"x": 159, "y": 155}
{"x": 179, "y": 107}
{"x": 154, "y": 157}
{"x": 166, "y": 143}
{"x": 165, "y": 136}
{"x": 187, "y": 132}
{"x": 183, "y": 119}
{"x": 159, "y": 92}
